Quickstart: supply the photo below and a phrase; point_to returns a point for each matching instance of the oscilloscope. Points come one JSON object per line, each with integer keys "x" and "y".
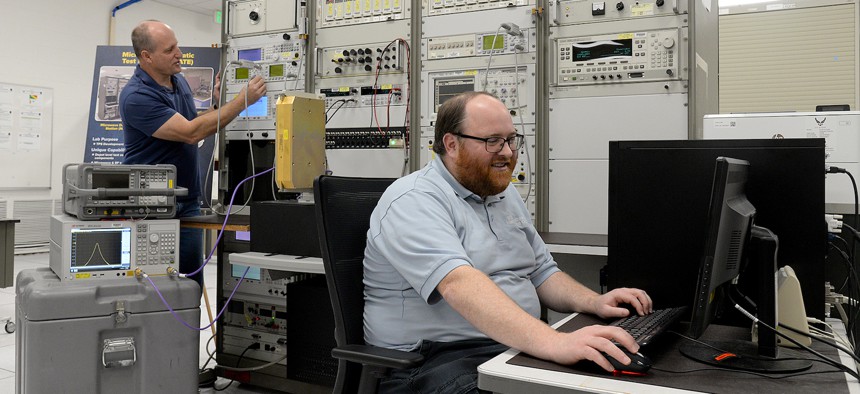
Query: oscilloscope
{"x": 112, "y": 249}
{"x": 93, "y": 191}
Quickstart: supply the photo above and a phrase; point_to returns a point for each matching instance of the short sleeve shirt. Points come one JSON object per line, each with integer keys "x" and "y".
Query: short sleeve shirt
{"x": 145, "y": 106}
{"x": 425, "y": 225}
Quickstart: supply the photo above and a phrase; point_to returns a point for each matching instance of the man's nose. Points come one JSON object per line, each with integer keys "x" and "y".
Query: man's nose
{"x": 506, "y": 149}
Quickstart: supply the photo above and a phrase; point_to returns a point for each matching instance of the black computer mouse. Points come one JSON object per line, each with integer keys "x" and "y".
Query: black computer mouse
{"x": 639, "y": 363}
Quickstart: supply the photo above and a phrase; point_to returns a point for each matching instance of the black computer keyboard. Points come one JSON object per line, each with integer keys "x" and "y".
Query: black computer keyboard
{"x": 645, "y": 328}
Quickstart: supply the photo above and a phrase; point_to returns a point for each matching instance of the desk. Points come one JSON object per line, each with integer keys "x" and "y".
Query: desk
{"x": 498, "y": 375}
{"x": 310, "y": 265}
{"x": 570, "y": 243}
{"x": 214, "y": 222}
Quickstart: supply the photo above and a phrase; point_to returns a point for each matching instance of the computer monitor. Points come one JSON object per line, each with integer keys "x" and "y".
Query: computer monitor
{"x": 730, "y": 217}
{"x": 729, "y": 254}
{"x": 659, "y": 193}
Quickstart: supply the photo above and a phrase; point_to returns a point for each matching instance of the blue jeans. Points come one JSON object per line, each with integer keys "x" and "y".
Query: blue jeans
{"x": 449, "y": 367}
{"x": 190, "y": 242}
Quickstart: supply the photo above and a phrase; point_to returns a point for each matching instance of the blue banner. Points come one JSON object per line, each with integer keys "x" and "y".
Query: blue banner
{"x": 114, "y": 67}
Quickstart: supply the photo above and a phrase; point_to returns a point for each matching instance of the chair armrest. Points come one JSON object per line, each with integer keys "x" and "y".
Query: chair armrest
{"x": 378, "y": 356}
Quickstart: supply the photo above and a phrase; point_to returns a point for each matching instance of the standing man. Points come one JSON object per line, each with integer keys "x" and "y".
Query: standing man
{"x": 455, "y": 270}
{"x": 161, "y": 124}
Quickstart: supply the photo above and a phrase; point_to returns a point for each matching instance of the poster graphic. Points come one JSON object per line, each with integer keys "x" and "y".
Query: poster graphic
{"x": 114, "y": 67}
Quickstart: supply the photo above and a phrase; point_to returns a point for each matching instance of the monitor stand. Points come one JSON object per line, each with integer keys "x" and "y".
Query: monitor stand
{"x": 759, "y": 357}
{"x": 740, "y": 355}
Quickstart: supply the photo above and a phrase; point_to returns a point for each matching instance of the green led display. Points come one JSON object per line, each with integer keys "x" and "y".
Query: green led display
{"x": 490, "y": 45}
{"x": 241, "y": 73}
{"x": 276, "y": 70}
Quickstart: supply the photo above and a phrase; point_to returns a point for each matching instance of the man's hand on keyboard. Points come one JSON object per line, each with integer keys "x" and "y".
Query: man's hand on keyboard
{"x": 612, "y": 304}
{"x": 587, "y": 343}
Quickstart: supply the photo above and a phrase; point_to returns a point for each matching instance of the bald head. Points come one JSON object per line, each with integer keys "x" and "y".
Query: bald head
{"x": 451, "y": 115}
{"x": 142, "y": 35}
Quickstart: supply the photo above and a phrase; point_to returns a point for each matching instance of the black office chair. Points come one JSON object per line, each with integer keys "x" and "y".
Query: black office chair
{"x": 343, "y": 208}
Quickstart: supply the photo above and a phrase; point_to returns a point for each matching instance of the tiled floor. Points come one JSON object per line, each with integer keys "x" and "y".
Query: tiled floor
{"x": 7, "y": 341}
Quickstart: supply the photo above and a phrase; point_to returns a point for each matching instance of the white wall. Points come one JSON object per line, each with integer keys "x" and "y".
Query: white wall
{"x": 192, "y": 29}
{"x": 53, "y": 44}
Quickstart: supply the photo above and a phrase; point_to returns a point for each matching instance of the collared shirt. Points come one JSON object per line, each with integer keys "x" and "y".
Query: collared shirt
{"x": 425, "y": 225}
{"x": 145, "y": 106}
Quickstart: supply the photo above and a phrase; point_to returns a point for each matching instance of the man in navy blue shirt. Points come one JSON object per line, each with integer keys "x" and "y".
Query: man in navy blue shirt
{"x": 162, "y": 126}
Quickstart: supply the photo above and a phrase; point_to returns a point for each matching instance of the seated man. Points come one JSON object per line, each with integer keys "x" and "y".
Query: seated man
{"x": 455, "y": 270}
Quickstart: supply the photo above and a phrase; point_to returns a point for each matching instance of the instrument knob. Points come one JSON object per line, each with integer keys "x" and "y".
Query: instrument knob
{"x": 668, "y": 42}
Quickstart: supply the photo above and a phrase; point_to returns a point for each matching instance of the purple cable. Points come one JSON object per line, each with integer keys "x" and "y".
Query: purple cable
{"x": 209, "y": 257}
{"x": 226, "y": 303}
{"x": 226, "y": 218}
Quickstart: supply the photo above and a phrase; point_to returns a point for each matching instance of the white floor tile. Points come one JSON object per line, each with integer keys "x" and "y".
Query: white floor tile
{"x": 7, "y": 385}
{"x": 7, "y": 359}
{"x": 6, "y": 339}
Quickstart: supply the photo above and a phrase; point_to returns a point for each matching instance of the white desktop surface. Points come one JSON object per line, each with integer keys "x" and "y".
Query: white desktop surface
{"x": 570, "y": 243}
{"x": 577, "y": 249}
{"x": 279, "y": 262}
{"x": 498, "y": 376}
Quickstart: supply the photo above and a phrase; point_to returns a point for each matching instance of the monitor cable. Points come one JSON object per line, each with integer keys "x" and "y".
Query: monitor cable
{"x": 845, "y": 257}
{"x": 838, "y": 170}
{"x": 850, "y": 284}
{"x": 832, "y": 334}
{"x": 819, "y": 339}
{"x": 763, "y": 375}
{"x": 855, "y": 284}
{"x": 824, "y": 358}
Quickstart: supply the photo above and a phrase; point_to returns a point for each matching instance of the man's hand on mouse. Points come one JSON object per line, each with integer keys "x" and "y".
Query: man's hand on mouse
{"x": 589, "y": 343}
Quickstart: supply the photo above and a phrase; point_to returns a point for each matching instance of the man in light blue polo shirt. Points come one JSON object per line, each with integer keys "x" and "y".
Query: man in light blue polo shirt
{"x": 454, "y": 269}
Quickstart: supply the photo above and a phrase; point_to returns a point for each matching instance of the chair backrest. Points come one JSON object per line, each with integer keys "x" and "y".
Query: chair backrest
{"x": 343, "y": 208}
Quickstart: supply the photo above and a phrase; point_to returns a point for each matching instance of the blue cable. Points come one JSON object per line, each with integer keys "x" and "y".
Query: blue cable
{"x": 123, "y": 5}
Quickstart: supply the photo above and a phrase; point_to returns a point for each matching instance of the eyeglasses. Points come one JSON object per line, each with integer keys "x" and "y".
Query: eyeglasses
{"x": 496, "y": 144}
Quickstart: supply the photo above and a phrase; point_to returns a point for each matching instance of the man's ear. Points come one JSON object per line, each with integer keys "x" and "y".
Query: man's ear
{"x": 451, "y": 143}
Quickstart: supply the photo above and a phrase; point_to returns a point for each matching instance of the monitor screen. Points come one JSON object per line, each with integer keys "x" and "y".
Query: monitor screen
{"x": 258, "y": 109}
{"x": 237, "y": 271}
{"x": 588, "y": 51}
{"x": 100, "y": 249}
{"x": 111, "y": 180}
{"x": 445, "y": 89}
{"x": 730, "y": 216}
{"x": 254, "y": 54}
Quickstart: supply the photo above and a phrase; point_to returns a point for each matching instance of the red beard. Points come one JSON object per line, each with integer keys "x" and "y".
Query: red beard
{"x": 480, "y": 176}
